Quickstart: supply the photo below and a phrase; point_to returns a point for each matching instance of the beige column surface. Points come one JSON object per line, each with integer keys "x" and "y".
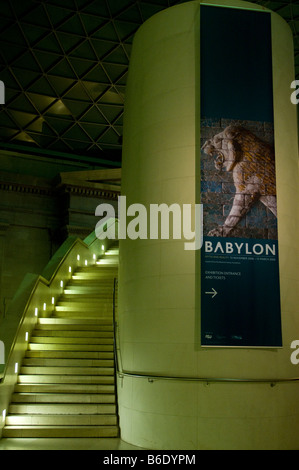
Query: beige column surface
{"x": 159, "y": 281}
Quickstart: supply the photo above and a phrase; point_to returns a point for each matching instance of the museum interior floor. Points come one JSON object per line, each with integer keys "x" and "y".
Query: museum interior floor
{"x": 65, "y": 444}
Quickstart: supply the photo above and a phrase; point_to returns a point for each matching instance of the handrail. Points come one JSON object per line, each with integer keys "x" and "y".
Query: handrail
{"x": 115, "y": 282}
{"x": 154, "y": 377}
{"x": 40, "y": 278}
{"x": 52, "y": 268}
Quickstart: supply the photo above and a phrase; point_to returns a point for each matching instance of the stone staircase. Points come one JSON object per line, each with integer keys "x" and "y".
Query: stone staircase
{"x": 66, "y": 384}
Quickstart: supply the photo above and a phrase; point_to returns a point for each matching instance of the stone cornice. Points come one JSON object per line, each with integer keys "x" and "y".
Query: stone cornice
{"x": 25, "y": 188}
{"x": 75, "y": 187}
{"x": 79, "y": 190}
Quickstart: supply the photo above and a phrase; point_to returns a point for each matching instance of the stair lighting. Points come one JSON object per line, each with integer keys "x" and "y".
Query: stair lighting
{"x": 44, "y": 306}
{"x": 78, "y": 257}
{"x": 36, "y": 312}
{"x": 26, "y": 336}
{"x": 61, "y": 283}
{"x": 3, "y": 415}
{"x": 85, "y": 262}
{"x": 53, "y": 300}
{"x": 16, "y": 367}
{"x": 70, "y": 269}
{"x": 103, "y": 248}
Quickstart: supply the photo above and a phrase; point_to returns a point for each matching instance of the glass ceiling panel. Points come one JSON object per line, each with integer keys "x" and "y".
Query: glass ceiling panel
{"x": 64, "y": 65}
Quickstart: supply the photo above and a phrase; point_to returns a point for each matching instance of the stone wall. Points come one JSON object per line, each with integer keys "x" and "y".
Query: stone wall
{"x": 37, "y": 214}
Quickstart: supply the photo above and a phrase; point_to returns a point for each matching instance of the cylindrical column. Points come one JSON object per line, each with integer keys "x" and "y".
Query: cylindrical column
{"x": 159, "y": 280}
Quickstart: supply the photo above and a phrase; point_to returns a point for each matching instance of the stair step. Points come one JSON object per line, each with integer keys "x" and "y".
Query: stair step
{"x": 70, "y": 340}
{"x": 84, "y": 322}
{"x": 97, "y": 269}
{"x": 83, "y": 306}
{"x": 74, "y": 327}
{"x": 80, "y": 314}
{"x": 87, "y": 297}
{"x": 110, "y": 274}
{"x": 38, "y": 361}
{"x": 61, "y": 408}
{"x": 42, "y": 333}
{"x": 64, "y": 388}
{"x": 106, "y": 280}
{"x": 61, "y": 420}
{"x": 47, "y": 370}
{"x": 69, "y": 347}
{"x": 60, "y": 431}
{"x": 69, "y": 354}
{"x": 29, "y": 397}
{"x": 87, "y": 288}
{"x": 107, "y": 262}
{"x": 65, "y": 379}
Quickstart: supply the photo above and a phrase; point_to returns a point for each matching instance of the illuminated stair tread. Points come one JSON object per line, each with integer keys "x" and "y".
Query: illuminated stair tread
{"x": 61, "y": 431}
{"x": 64, "y": 388}
{"x": 55, "y": 420}
{"x": 61, "y": 408}
{"x": 66, "y": 379}
{"x": 70, "y": 354}
{"x": 42, "y": 397}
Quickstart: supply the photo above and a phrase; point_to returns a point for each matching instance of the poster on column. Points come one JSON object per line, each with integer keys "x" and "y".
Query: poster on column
{"x": 240, "y": 295}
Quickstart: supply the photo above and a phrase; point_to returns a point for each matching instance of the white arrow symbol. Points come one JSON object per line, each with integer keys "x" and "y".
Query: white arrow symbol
{"x": 213, "y": 293}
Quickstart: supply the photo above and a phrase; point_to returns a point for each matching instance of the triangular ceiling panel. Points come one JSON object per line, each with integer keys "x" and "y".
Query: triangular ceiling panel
{"x": 65, "y": 65}
{"x": 42, "y": 87}
{"x": 14, "y": 33}
{"x": 33, "y": 34}
{"x": 27, "y": 61}
{"x": 94, "y": 89}
{"x": 97, "y": 75}
{"x": 49, "y": 44}
{"x": 60, "y": 84}
{"x": 91, "y": 23}
{"x": 72, "y": 25}
{"x": 94, "y": 115}
{"x": 57, "y": 13}
{"x": 35, "y": 14}
{"x": 67, "y": 41}
{"x": 118, "y": 6}
{"x": 106, "y": 32}
{"x": 118, "y": 56}
{"x": 76, "y": 133}
{"x": 46, "y": 60}
{"x": 94, "y": 8}
{"x": 84, "y": 51}
{"x": 63, "y": 69}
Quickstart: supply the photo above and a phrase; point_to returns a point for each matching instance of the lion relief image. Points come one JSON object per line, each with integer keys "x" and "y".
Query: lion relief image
{"x": 252, "y": 164}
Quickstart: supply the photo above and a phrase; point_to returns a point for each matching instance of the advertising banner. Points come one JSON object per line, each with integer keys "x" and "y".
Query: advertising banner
{"x": 240, "y": 295}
